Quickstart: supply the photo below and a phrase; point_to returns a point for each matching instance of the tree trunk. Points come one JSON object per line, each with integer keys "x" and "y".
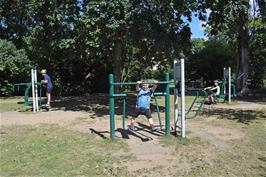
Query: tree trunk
{"x": 119, "y": 47}
{"x": 117, "y": 59}
{"x": 243, "y": 58}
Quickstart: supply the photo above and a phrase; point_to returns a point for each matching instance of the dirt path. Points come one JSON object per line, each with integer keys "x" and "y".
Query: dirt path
{"x": 143, "y": 145}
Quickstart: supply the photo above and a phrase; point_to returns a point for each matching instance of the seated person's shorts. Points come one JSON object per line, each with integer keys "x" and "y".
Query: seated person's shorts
{"x": 214, "y": 94}
{"x": 142, "y": 111}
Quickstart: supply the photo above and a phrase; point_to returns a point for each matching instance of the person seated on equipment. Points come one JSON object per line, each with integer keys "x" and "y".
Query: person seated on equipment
{"x": 144, "y": 94}
{"x": 214, "y": 91}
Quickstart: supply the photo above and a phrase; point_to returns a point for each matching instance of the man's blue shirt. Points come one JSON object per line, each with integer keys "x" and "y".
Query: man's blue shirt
{"x": 49, "y": 81}
{"x": 144, "y": 98}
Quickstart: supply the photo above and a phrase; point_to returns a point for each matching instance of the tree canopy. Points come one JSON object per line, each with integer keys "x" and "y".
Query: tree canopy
{"x": 79, "y": 41}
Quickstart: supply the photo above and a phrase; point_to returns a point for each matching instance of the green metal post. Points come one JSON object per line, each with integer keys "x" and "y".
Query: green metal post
{"x": 203, "y": 101}
{"x": 26, "y": 94}
{"x": 124, "y": 113}
{"x": 158, "y": 112}
{"x": 196, "y": 97}
{"x": 112, "y": 107}
{"x": 167, "y": 106}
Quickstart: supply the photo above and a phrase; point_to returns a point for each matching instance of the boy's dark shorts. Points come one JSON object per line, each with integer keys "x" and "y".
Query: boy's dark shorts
{"x": 49, "y": 89}
{"x": 142, "y": 111}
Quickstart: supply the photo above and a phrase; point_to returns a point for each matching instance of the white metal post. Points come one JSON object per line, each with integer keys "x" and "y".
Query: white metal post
{"x": 175, "y": 96}
{"x": 224, "y": 81}
{"x": 36, "y": 90}
{"x": 33, "y": 91}
{"x": 229, "y": 85}
{"x": 183, "y": 124}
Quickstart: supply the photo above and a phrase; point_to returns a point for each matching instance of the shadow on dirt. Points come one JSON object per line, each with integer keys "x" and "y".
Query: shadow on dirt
{"x": 98, "y": 105}
{"x": 142, "y": 132}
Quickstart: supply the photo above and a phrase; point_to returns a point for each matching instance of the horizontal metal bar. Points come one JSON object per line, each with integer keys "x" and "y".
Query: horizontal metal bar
{"x": 119, "y": 95}
{"x": 29, "y": 83}
{"x": 172, "y": 86}
{"x": 135, "y": 83}
{"x": 159, "y": 93}
{"x": 21, "y": 84}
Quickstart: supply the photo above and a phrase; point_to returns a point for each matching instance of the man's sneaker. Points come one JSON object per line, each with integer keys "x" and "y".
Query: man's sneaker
{"x": 47, "y": 105}
{"x": 132, "y": 128}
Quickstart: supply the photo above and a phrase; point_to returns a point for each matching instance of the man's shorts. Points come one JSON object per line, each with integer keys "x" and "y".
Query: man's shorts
{"x": 142, "y": 111}
{"x": 49, "y": 89}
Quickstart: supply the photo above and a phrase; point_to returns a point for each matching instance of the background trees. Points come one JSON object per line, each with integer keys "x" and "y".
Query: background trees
{"x": 234, "y": 20}
{"x": 80, "y": 42}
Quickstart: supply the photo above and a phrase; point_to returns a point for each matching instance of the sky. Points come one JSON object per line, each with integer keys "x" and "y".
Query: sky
{"x": 198, "y": 31}
{"x": 196, "y": 28}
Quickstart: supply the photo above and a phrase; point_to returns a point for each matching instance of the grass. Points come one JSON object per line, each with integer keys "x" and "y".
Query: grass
{"x": 243, "y": 157}
{"x": 55, "y": 151}
{"x": 246, "y": 157}
{"x": 12, "y": 106}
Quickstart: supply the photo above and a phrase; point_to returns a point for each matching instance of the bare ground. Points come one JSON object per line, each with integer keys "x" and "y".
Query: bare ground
{"x": 144, "y": 145}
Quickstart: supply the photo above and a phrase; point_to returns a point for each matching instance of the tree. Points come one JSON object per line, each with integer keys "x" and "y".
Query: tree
{"x": 257, "y": 52}
{"x": 133, "y": 35}
{"x": 231, "y": 17}
{"x": 80, "y": 42}
{"x": 208, "y": 59}
{"x": 14, "y": 66}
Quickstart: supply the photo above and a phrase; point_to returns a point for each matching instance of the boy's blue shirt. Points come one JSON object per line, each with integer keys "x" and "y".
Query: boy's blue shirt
{"x": 144, "y": 98}
{"x": 49, "y": 81}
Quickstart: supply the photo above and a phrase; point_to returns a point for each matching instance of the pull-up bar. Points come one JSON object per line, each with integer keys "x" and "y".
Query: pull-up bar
{"x": 135, "y": 83}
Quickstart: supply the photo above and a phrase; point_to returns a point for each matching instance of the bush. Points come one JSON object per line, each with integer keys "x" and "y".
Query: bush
{"x": 14, "y": 66}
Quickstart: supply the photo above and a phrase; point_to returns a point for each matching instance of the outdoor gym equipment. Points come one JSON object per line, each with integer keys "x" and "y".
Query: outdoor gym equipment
{"x": 179, "y": 79}
{"x": 27, "y": 86}
{"x": 158, "y": 111}
{"x": 36, "y": 100}
{"x": 199, "y": 93}
{"x": 179, "y": 76}
{"x": 227, "y": 76}
{"x": 113, "y": 95}
{"x": 228, "y": 89}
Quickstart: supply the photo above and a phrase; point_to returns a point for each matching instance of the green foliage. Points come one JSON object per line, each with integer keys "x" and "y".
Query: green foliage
{"x": 258, "y": 52}
{"x": 208, "y": 59}
{"x": 77, "y": 41}
{"x": 242, "y": 24}
{"x": 14, "y": 66}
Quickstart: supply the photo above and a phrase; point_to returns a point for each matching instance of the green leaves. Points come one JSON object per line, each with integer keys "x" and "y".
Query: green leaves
{"x": 14, "y": 66}
{"x": 73, "y": 39}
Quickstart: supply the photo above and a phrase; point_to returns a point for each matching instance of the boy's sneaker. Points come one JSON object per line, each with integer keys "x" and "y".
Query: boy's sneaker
{"x": 132, "y": 128}
{"x": 153, "y": 128}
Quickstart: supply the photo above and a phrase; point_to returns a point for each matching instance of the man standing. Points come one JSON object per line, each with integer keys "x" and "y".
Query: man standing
{"x": 49, "y": 86}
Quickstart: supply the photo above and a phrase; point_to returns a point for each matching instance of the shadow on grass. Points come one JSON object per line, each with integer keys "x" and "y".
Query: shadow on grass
{"x": 242, "y": 116}
{"x": 256, "y": 95}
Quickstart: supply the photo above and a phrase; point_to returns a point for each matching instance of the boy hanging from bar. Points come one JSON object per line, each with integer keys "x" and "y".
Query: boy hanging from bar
{"x": 144, "y": 94}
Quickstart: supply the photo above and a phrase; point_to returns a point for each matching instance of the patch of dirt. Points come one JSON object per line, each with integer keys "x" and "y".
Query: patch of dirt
{"x": 224, "y": 133}
{"x": 63, "y": 118}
